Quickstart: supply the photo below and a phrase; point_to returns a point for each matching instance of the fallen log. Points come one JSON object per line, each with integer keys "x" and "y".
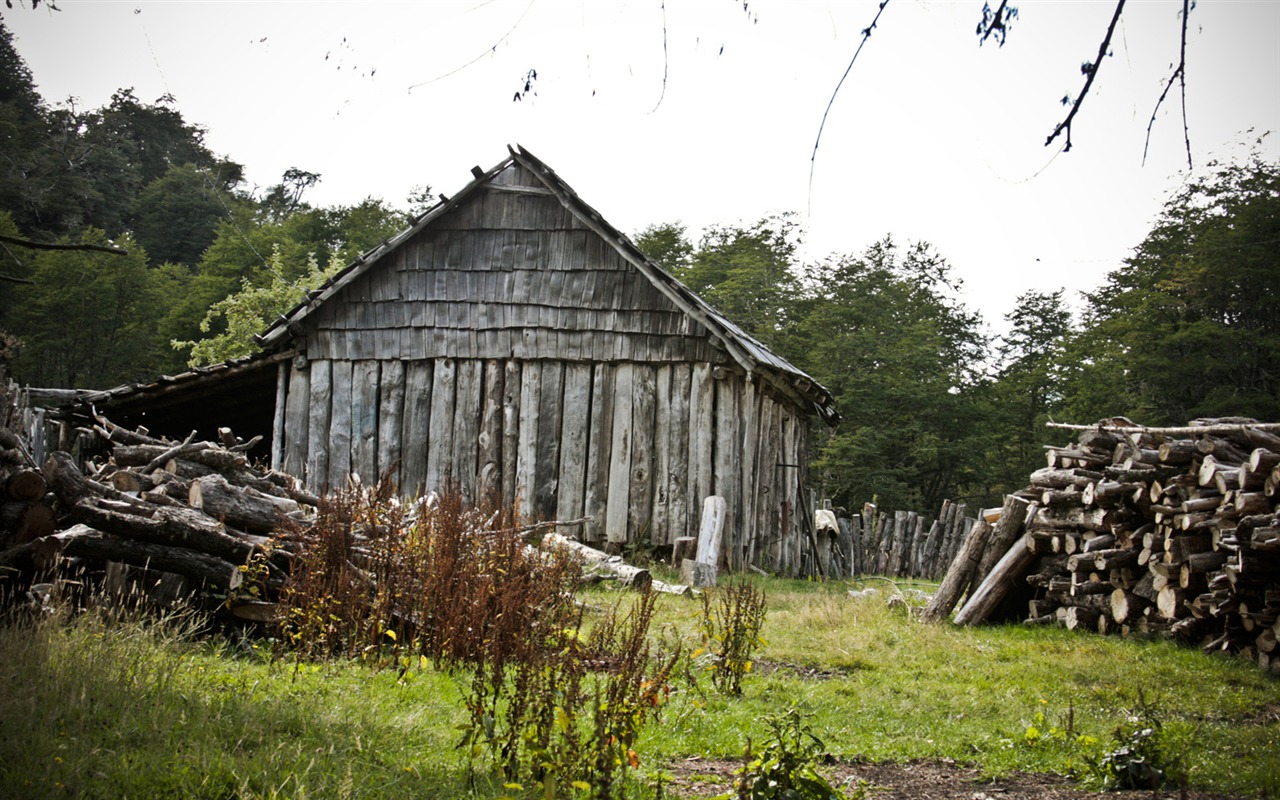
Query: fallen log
{"x": 169, "y": 526}
{"x": 23, "y": 522}
{"x": 959, "y": 574}
{"x": 85, "y": 542}
{"x": 25, "y": 486}
{"x": 996, "y": 585}
{"x": 599, "y": 561}
{"x": 215, "y": 496}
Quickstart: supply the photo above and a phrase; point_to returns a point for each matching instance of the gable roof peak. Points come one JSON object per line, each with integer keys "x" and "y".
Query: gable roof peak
{"x": 750, "y": 354}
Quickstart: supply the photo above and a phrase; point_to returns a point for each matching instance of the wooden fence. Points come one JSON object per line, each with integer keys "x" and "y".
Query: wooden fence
{"x": 900, "y": 544}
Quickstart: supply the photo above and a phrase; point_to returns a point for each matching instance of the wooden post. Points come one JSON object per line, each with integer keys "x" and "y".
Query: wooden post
{"x": 277, "y": 423}
{"x": 714, "y": 509}
{"x": 599, "y": 561}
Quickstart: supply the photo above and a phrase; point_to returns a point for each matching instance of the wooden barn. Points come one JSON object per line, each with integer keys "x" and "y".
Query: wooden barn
{"x": 514, "y": 344}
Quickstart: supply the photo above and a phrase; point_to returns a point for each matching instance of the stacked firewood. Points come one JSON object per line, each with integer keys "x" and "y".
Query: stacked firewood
{"x": 176, "y": 519}
{"x": 1170, "y": 530}
{"x": 24, "y": 514}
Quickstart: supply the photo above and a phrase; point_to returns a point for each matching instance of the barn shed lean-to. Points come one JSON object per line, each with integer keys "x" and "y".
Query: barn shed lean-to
{"x": 514, "y": 344}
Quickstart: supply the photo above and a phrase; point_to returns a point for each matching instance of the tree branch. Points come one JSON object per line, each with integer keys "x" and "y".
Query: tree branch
{"x": 665, "y": 60}
{"x": 1091, "y": 71}
{"x": 99, "y": 248}
{"x": 997, "y": 24}
{"x": 1179, "y": 75}
{"x": 866, "y": 34}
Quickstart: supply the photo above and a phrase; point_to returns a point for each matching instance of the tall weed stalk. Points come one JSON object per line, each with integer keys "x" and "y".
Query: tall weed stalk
{"x": 732, "y": 618}
{"x": 547, "y": 704}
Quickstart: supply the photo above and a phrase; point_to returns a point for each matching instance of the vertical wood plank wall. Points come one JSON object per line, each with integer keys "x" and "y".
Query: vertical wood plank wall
{"x": 508, "y": 349}
{"x": 636, "y": 446}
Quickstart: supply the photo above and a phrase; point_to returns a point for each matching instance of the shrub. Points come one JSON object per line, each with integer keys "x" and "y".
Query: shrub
{"x": 1141, "y": 758}
{"x": 547, "y": 705}
{"x": 731, "y": 621}
{"x": 786, "y": 768}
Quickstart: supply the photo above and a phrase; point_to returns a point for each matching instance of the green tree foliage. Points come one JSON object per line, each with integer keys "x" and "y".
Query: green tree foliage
{"x": 285, "y": 197}
{"x": 667, "y": 244}
{"x": 177, "y": 215}
{"x": 17, "y": 87}
{"x": 89, "y": 319}
{"x": 883, "y": 331}
{"x": 746, "y": 274}
{"x": 257, "y": 247}
{"x": 14, "y": 271}
{"x": 1190, "y": 325}
{"x": 65, "y": 169}
{"x": 249, "y": 311}
{"x": 886, "y": 334}
{"x": 36, "y": 184}
{"x": 1026, "y": 389}
{"x": 129, "y": 144}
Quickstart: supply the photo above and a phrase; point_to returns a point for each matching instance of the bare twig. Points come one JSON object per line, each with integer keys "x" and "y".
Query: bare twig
{"x": 245, "y": 447}
{"x": 491, "y": 49}
{"x": 1177, "y": 431}
{"x": 866, "y": 34}
{"x": 173, "y": 452}
{"x": 665, "y": 62}
{"x": 1091, "y": 71}
{"x": 1179, "y": 75}
{"x": 34, "y": 245}
{"x": 541, "y": 526}
{"x": 17, "y": 261}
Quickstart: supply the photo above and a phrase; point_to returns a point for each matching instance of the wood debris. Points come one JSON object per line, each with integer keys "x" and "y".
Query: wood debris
{"x": 1144, "y": 530}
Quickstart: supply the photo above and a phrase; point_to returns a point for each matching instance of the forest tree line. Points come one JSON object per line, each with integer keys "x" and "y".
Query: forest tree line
{"x": 934, "y": 406}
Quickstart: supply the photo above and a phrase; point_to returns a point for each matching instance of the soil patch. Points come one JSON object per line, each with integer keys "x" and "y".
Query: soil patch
{"x": 921, "y": 780}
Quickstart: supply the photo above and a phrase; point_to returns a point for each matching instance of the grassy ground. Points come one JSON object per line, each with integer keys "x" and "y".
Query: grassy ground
{"x": 130, "y": 710}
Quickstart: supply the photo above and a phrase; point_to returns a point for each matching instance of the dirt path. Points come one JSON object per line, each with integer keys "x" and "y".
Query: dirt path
{"x": 933, "y": 780}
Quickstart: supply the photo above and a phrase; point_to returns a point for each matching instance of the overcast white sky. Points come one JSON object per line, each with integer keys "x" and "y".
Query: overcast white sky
{"x": 931, "y": 138}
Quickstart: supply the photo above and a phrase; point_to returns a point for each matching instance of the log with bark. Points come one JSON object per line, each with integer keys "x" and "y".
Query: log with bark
{"x": 1178, "y": 536}
{"x": 959, "y": 575}
{"x": 599, "y": 561}
{"x": 127, "y": 511}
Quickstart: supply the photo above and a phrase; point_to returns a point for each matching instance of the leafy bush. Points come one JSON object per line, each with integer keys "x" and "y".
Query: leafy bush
{"x": 1141, "y": 758}
{"x": 785, "y": 769}
{"x": 731, "y": 621}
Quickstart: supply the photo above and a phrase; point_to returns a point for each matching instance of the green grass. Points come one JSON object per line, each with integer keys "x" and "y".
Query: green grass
{"x": 145, "y": 711}
{"x": 902, "y": 690}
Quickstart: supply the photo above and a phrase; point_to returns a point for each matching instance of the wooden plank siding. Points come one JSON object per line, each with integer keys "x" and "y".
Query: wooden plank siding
{"x": 530, "y": 282}
{"x": 634, "y": 446}
{"x": 511, "y": 350}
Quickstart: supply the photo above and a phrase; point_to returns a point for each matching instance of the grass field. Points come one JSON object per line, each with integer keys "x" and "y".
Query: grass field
{"x": 147, "y": 711}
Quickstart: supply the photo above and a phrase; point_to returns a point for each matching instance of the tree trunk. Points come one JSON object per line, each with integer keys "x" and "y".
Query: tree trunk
{"x": 959, "y": 574}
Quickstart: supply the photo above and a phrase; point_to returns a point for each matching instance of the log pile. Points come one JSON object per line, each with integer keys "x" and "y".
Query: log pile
{"x": 172, "y": 518}
{"x": 187, "y": 521}
{"x": 1171, "y": 530}
{"x": 24, "y": 513}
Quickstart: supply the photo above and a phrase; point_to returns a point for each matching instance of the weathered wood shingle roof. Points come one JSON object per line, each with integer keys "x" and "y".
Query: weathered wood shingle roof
{"x": 746, "y": 352}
